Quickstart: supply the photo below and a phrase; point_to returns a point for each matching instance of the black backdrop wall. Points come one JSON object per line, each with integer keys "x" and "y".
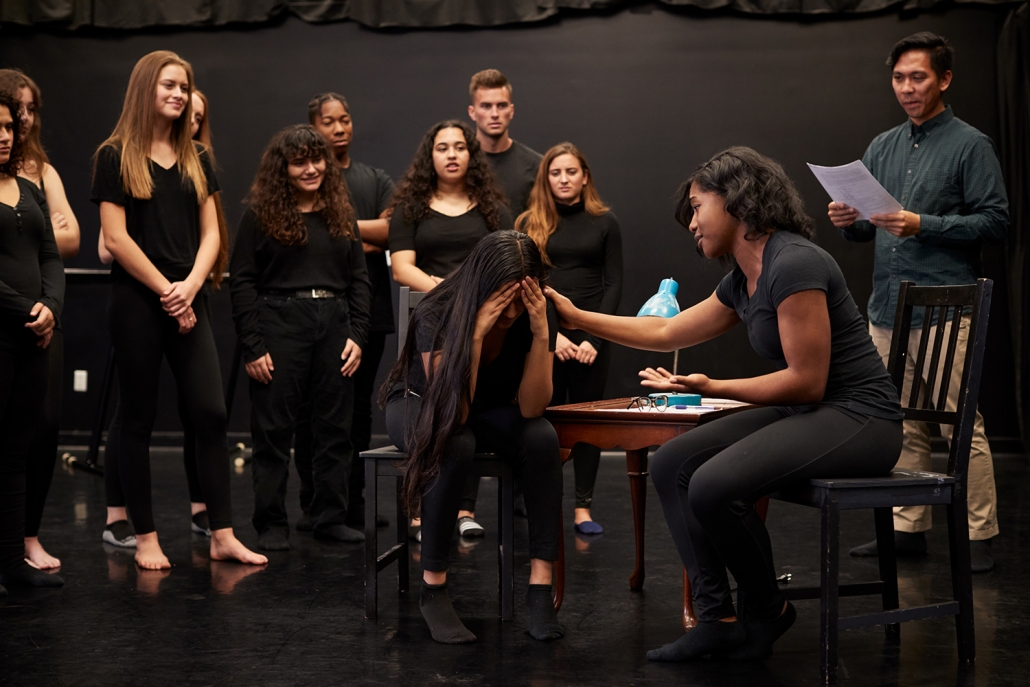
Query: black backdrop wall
{"x": 648, "y": 95}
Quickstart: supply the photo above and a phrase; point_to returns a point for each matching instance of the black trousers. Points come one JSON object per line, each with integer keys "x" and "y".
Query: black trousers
{"x": 709, "y": 479}
{"x": 361, "y": 431}
{"x": 23, "y": 378}
{"x": 575, "y": 382}
{"x": 114, "y": 493}
{"x": 530, "y": 444}
{"x": 42, "y": 455}
{"x": 305, "y": 338}
{"x": 143, "y": 334}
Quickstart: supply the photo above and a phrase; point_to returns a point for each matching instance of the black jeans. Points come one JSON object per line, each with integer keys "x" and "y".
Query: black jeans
{"x": 42, "y": 455}
{"x": 361, "y": 431}
{"x": 530, "y": 444}
{"x": 143, "y": 334}
{"x": 23, "y": 378}
{"x": 709, "y": 479}
{"x": 575, "y": 382}
{"x": 305, "y": 338}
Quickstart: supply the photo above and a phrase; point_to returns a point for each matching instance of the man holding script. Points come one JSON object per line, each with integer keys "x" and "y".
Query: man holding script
{"x": 947, "y": 176}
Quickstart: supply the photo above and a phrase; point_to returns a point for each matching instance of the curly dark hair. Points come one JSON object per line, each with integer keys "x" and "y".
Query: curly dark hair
{"x": 757, "y": 192}
{"x": 272, "y": 196}
{"x": 416, "y": 189}
{"x": 13, "y": 105}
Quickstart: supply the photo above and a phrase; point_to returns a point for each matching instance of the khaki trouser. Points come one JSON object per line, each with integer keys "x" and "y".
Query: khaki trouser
{"x": 982, "y": 499}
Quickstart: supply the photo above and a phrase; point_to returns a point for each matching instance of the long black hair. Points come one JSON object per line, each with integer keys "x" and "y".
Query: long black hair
{"x": 10, "y": 168}
{"x": 447, "y": 317}
{"x": 757, "y": 192}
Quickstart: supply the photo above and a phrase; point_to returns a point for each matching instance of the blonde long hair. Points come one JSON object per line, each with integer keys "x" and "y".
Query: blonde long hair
{"x": 134, "y": 130}
{"x": 540, "y": 219}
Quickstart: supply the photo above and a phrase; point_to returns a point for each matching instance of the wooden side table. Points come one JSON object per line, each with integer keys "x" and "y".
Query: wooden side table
{"x": 613, "y": 424}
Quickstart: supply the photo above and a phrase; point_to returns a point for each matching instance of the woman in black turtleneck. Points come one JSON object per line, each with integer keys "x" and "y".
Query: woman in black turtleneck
{"x": 580, "y": 238}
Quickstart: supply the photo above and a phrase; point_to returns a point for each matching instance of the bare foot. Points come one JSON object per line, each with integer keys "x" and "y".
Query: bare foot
{"x": 225, "y": 576}
{"x": 226, "y": 547}
{"x": 583, "y": 515}
{"x": 37, "y": 557}
{"x": 149, "y": 555}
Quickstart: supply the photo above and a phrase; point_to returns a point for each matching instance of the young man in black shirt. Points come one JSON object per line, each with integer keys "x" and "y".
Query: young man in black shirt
{"x": 370, "y": 191}
{"x": 514, "y": 163}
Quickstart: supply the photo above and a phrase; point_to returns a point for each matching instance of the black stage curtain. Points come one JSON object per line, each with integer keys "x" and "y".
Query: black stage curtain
{"x": 1014, "y": 135}
{"x": 385, "y": 14}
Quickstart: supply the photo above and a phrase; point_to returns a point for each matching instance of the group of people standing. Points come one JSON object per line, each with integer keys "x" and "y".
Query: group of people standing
{"x": 522, "y": 262}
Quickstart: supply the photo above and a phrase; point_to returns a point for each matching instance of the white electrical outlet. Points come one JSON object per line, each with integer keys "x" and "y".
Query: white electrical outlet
{"x": 80, "y": 380}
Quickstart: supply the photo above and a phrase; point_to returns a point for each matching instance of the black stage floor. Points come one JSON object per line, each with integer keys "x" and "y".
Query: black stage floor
{"x": 299, "y": 621}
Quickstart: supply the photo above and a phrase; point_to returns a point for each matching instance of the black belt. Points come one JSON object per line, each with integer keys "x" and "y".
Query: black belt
{"x": 306, "y": 293}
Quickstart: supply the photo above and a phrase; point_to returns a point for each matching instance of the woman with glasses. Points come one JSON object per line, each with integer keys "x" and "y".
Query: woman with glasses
{"x": 830, "y": 409}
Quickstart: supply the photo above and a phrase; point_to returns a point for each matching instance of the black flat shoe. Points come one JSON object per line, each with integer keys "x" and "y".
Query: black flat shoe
{"x": 339, "y": 533}
{"x": 274, "y": 540}
{"x": 980, "y": 558}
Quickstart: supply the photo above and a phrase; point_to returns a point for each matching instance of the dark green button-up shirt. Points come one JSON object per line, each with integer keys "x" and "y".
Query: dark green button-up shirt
{"x": 949, "y": 174}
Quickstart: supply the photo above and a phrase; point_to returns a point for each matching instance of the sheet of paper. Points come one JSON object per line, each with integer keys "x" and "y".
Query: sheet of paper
{"x": 854, "y": 185}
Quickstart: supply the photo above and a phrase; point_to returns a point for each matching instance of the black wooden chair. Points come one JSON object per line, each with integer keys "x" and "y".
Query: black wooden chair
{"x": 907, "y": 488}
{"x": 384, "y": 462}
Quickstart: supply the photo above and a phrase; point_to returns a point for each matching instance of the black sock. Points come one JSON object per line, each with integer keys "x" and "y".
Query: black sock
{"x": 760, "y": 636}
{"x": 444, "y": 624}
{"x": 25, "y": 575}
{"x": 708, "y": 636}
{"x": 543, "y": 619}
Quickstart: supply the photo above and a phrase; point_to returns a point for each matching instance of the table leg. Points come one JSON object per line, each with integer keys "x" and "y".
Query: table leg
{"x": 636, "y": 469}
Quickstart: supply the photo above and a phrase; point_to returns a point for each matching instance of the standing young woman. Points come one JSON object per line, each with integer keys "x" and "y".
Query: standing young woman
{"x": 829, "y": 411}
{"x": 35, "y": 166}
{"x": 580, "y": 239}
{"x": 475, "y": 373}
{"x": 154, "y": 187}
{"x": 300, "y": 299}
{"x": 447, "y": 201}
{"x": 118, "y": 531}
{"x": 31, "y": 294}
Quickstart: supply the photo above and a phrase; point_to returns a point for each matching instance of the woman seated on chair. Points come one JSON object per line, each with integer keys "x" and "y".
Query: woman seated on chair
{"x": 475, "y": 375}
{"x": 829, "y": 411}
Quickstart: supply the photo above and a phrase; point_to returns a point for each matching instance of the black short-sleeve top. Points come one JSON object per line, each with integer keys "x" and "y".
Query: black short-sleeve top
{"x": 31, "y": 270}
{"x": 370, "y": 190}
{"x": 497, "y": 383}
{"x": 166, "y": 226}
{"x": 857, "y": 381}
{"x": 441, "y": 242}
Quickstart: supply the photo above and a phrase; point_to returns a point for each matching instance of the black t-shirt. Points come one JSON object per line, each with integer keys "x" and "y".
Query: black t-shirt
{"x": 497, "y": 383}
{"x": 586, "y": 256}
{"x": 166, "y": 227}
{"x": 262, "y": 265}
{"x": 441, "y": 242}
{"x": 31, "y": 270}
{"x": 516, "y": 170}
{"x": 857, "y": 381}
{"x": 370, "y": 191}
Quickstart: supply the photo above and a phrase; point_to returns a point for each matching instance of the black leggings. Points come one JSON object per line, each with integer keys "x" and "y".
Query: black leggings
{"x": 23, "y": 377}
{"x": 530, "y": 444}
{"x": 575, "y": 382}
{"x": 114, "y": 493}
{"x": 709, "y": 479}
{"x": 142, "y": 334}
{"x": 39, "y": 466}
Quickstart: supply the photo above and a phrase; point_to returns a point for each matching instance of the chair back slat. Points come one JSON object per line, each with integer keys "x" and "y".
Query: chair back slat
{"x": 941, "y": 305}
{"x": 935, "y": 358}
{"x": 408, "y": 300}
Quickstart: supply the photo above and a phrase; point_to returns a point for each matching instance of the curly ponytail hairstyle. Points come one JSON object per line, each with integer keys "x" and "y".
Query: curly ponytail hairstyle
{"x": 415, "y": 191}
